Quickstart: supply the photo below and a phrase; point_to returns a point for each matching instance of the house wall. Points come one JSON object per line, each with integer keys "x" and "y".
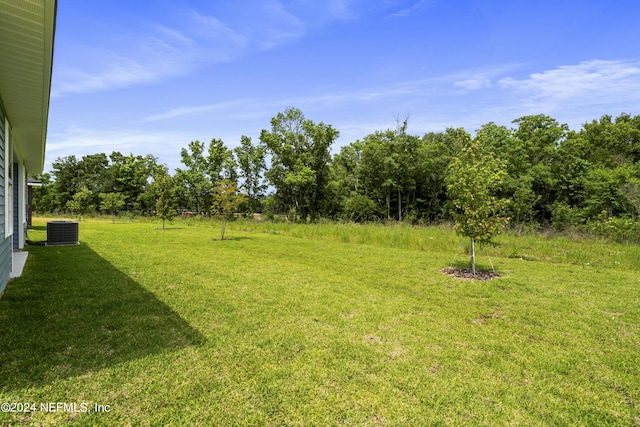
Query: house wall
{"x": 18, "y": 226}
{"x": 5, "y": 241}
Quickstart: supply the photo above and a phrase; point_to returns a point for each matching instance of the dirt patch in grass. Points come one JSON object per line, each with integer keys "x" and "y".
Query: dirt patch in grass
{"x": 465, "y": 273}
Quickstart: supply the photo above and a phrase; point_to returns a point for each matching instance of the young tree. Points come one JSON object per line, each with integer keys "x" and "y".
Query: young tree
{"x": 112, "y": 203}
{"x": 80, "y": 202}
{"x": 475, "y": 176}
{"x": 226, "y": 201}
{"x": 166, "y": 203}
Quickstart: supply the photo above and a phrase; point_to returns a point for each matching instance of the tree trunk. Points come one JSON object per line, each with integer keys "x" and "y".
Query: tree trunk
{"x": 224, "y": 223}
{"x": 388, "y": 205}
{"x": 399, "y": 206}
{"x": 473, "y": 257}
{"x": 163, "y": 223}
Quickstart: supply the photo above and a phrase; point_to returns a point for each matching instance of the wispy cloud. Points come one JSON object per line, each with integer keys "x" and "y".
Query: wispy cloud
{"x": 406, "y": 11}
{"x": 321, "y": 97}
{"x": 210, "y": 35}
{"x": 480, "y": 82}
{"x": 196, "y": 39}
{"x": 480, "y": 78}
{"x": 212, "y": 30}
{"x": 279, "y": 25}
{"x": 469, "y": 97}
{"x": 574, "y": 94}
{"x": 587, "y": 79}
{"x": 165, "y": 53}
{"x": 579, "y": 92}
{"x": 198, "y": 109}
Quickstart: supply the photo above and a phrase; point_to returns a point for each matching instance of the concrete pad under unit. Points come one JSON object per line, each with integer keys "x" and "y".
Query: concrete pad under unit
{"x": 17, "y": 263}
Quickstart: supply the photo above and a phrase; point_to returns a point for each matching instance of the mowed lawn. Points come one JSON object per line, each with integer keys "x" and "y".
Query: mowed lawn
{"x": 318, "y": 325}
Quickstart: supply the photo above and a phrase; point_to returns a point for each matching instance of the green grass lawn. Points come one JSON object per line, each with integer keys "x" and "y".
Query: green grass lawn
{"x": 319, "y": 325}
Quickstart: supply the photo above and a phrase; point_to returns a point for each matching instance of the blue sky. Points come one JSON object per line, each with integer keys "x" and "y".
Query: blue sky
{"x": 148, "y": 77}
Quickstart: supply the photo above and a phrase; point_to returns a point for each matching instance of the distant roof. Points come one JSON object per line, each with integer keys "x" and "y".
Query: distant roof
{"x": 33, "y": 182}
{"x": 27, "y": 31}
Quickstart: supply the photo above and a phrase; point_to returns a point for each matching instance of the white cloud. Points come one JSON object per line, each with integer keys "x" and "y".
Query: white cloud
{"x": 474, "y": 84}
{"x": 586, "y": 79}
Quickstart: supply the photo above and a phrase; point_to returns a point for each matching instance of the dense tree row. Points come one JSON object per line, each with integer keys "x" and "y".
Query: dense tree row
{"x": 553, "y": 175}
{"x": 91, "y": 183}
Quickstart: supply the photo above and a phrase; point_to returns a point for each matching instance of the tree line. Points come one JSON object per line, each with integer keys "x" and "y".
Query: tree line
{"x": 554, "y": 176}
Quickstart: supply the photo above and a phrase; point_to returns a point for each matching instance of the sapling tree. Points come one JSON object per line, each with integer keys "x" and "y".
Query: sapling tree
{"x": 475, "y": 177}
{"x": 80, "y": 203}
{"x": 166, "y": 199}
{"x": 226, "y": 201}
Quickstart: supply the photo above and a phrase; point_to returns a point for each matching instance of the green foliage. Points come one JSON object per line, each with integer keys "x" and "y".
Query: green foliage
{"x": 194, "y": 186}
{"x": 603, "y": 191}
{"x": 166, "y": 199}
{"x": 474, "y": 179}
{"x": 112, "y": 203}
{"x": 98, "y": 173}
{"x": 251, "y": 164}
{"x": 43, "y": 195}
{"x": 300, "y": 160}
{"x": 564, "y": 216}
{"x": 203, "y": 171}
{"x": 625, "y": 230}
{"x": 80, "y": 203}
{"x": 130, "y": 176}
{"x": 630, "y": 191}
{"x": 226, "y": 201}
{"x": 554, "y": 177}
{"x": 359, "y": 208}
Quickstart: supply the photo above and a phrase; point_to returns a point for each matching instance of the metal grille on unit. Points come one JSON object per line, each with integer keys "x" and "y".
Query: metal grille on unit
{"x": 62, "y": 233}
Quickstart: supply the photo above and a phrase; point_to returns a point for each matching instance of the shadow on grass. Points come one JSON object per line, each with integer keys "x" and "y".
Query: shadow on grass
{"x": 72, "y": 312}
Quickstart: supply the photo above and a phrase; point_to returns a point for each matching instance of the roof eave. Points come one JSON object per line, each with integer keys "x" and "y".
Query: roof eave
{"x": 29, "y": 125}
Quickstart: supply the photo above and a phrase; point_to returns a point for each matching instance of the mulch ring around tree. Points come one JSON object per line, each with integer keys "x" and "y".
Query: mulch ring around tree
{"x": 465, "y": 273}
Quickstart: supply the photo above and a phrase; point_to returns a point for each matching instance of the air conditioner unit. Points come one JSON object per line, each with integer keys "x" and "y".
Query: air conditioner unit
{"x": 62, "y": 233}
